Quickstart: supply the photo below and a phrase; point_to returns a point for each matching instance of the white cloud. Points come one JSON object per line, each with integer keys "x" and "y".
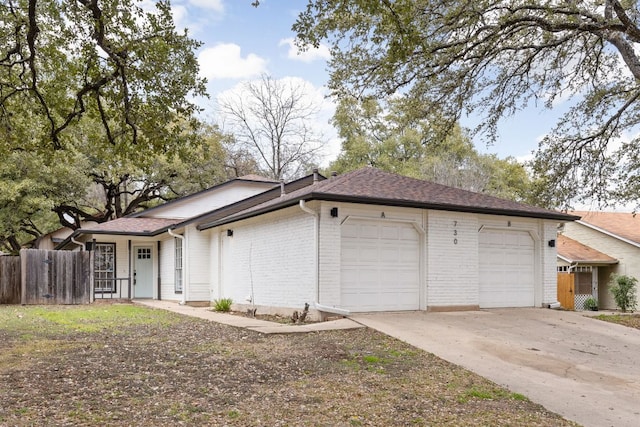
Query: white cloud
{"x": 309, "y": 55}
{"x": 180, "y": 16}
{"x": 214, "y": 5}
{"x": 225, "y": 61}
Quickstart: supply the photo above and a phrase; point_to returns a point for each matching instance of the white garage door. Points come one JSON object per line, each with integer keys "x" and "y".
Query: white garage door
{"x": 380, "y": 266}
{"x": 506, "y": 269}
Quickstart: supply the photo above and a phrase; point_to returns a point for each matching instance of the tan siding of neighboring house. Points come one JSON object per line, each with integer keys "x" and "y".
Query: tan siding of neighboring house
{"x": 627, "y": 255}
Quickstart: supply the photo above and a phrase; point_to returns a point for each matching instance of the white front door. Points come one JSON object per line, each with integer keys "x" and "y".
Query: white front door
{"x": 143, "y": 272}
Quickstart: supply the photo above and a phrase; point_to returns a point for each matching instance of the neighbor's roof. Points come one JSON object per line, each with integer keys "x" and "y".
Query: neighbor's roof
{"x": 373, "y": 186}
{"x": 623, "y": 226}
{"x": 573, "y": 251}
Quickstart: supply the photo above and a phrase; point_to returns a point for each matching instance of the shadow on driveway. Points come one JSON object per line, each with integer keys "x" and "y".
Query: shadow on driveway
{"x": 584, "y": 369}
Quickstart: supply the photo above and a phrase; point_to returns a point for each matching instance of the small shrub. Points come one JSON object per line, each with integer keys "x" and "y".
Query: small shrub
{"x": 223, "y": 305}
{"x": 623, "y": 289}
{"x": 591, "y": 304}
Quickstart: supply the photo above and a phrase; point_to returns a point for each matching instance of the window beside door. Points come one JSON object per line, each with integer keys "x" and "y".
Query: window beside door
{"x": 178, "y": 266}
{"x": 105, "y": 267}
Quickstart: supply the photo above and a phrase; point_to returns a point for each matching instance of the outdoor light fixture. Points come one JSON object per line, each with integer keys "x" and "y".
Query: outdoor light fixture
{"x": 230, "y": 233}
{"x": 334, "y": 212}
{"x": 552, "y": 243}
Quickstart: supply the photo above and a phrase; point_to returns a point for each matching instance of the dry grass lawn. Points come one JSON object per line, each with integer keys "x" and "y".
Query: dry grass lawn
{"x": 127, "y": 365}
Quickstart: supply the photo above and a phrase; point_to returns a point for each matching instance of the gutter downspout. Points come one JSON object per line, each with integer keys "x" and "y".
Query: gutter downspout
{"x": 316, "y": 245}
{"x": 73, "y": 240}
{"x": 184, "y": 263}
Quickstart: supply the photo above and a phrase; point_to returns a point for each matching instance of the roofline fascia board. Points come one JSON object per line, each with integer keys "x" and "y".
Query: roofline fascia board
{"x": 386, "y": 202}
{"x": 587, "y": 261}
{"x": 565, "y": 259}
{"x": 608, "y": 233}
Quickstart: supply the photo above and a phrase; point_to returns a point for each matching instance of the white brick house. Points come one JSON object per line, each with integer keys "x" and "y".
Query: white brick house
{"x": 363, "y": 241}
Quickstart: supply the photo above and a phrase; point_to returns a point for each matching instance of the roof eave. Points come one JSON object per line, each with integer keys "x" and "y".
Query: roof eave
{"x": 389, "y": 202}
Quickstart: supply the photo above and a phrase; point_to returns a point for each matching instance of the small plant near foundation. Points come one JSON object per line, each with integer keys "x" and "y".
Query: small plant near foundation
{"x": 223, "y": 305}
{"x": 591, "y": 304}
{"x": 623, "y": 289}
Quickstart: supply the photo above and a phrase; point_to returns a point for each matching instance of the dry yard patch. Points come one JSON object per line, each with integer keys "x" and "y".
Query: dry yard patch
{"x": 130, "y": 365}
{"x": 630, "y": 320}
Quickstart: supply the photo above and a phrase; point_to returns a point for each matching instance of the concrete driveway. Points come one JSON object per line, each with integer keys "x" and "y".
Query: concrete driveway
{"x": 584, "y": 369}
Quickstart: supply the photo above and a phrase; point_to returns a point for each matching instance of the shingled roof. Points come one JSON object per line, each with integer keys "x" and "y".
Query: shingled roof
{"x": 625, "y": 226}
{"x": 373, "y": 186}
{"x": 132, "y": 226}
{"x": 573, "y": 251}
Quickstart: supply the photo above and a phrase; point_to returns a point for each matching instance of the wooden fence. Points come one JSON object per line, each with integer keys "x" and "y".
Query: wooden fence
{"x": 10, "y": 280}
{"x": 49, "y": 277}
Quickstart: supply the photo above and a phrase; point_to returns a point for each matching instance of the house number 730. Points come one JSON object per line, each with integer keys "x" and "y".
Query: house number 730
{"x": 455, "y": 232}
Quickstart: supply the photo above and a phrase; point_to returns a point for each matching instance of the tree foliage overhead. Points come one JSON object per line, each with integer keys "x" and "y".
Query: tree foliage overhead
{"x": 111, "y": 60}
{"x": 385, "y": 135}
{"x": 495, "y": 58}
{"x": 90, "y": 94}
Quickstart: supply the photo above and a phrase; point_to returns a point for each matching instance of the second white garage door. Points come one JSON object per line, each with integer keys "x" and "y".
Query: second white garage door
{"x": 507, "y": 275}
{"x": 380, "y": 266}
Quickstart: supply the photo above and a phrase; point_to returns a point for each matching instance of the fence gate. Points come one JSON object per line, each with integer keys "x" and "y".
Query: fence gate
{"x": 566, "y": 290}
{"x": 10, "y": 279}
{"x": 56, "y": 277}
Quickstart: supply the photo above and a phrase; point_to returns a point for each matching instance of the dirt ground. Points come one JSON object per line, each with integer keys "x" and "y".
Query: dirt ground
{"x": 152, "y": 368}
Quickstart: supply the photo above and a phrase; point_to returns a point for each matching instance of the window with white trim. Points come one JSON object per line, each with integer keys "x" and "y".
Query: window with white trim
{"x": 105, "y": 267}
{"x": 178, "y": 264}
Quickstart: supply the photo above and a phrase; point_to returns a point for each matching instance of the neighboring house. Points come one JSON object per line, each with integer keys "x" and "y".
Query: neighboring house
{"x": 363, "y": 241}
{"x": 614, "y": 234}
{"x": 591, "y": 270}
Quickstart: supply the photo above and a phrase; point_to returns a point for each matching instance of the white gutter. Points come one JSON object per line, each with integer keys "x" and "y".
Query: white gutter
{"x": 335, "y": 310}
{"x": 316, "y": 245}
{"x": 73, "y": 240}
{"x": 184, "y": 264}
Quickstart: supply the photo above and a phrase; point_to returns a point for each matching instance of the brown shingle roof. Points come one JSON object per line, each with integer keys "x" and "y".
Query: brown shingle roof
{"x": 624, "y": 225}
{"x": 574, "y": 251}
{"x": 373, "y": 186}
{"x": 139, "y": 226}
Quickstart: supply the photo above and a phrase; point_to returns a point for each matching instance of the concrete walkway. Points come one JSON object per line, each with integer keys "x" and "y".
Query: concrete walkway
{"x": 256, "y": 325}
{"x": 584, "y": 369}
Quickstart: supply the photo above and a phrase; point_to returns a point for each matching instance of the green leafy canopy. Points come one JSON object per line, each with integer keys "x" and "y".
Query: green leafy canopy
{"x": 495, "y": 58}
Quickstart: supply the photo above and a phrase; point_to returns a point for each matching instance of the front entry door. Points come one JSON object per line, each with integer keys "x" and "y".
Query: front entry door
{"x": 143, "y": 272}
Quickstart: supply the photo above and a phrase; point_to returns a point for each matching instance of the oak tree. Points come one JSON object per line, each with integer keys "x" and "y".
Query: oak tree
{"x": 495, "y": 58}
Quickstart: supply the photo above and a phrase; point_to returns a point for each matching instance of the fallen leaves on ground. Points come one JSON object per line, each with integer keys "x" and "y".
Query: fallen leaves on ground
{"x": 173, "y": 370}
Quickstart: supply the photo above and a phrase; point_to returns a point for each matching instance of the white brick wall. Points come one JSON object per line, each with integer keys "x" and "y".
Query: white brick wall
{"x": 549, "y": 231}
{"x": 452, "y": 254}
{"x": 198, "y": 259}
{"x": 273, "y": 254}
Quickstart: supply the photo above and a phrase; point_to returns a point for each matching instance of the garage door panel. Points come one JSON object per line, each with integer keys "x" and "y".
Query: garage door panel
{"x": 380, "y": 266}
{"x": 506, "y": 269}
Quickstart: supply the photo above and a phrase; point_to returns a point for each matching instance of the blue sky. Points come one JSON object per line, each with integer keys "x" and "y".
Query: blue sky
{"x": 242, "y": 42}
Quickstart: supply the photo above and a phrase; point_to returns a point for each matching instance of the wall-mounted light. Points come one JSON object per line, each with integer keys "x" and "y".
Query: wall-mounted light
{"x": 552, "y": 243}
{"x": 230, "y": 233}
{"x": 334, "y": 212}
